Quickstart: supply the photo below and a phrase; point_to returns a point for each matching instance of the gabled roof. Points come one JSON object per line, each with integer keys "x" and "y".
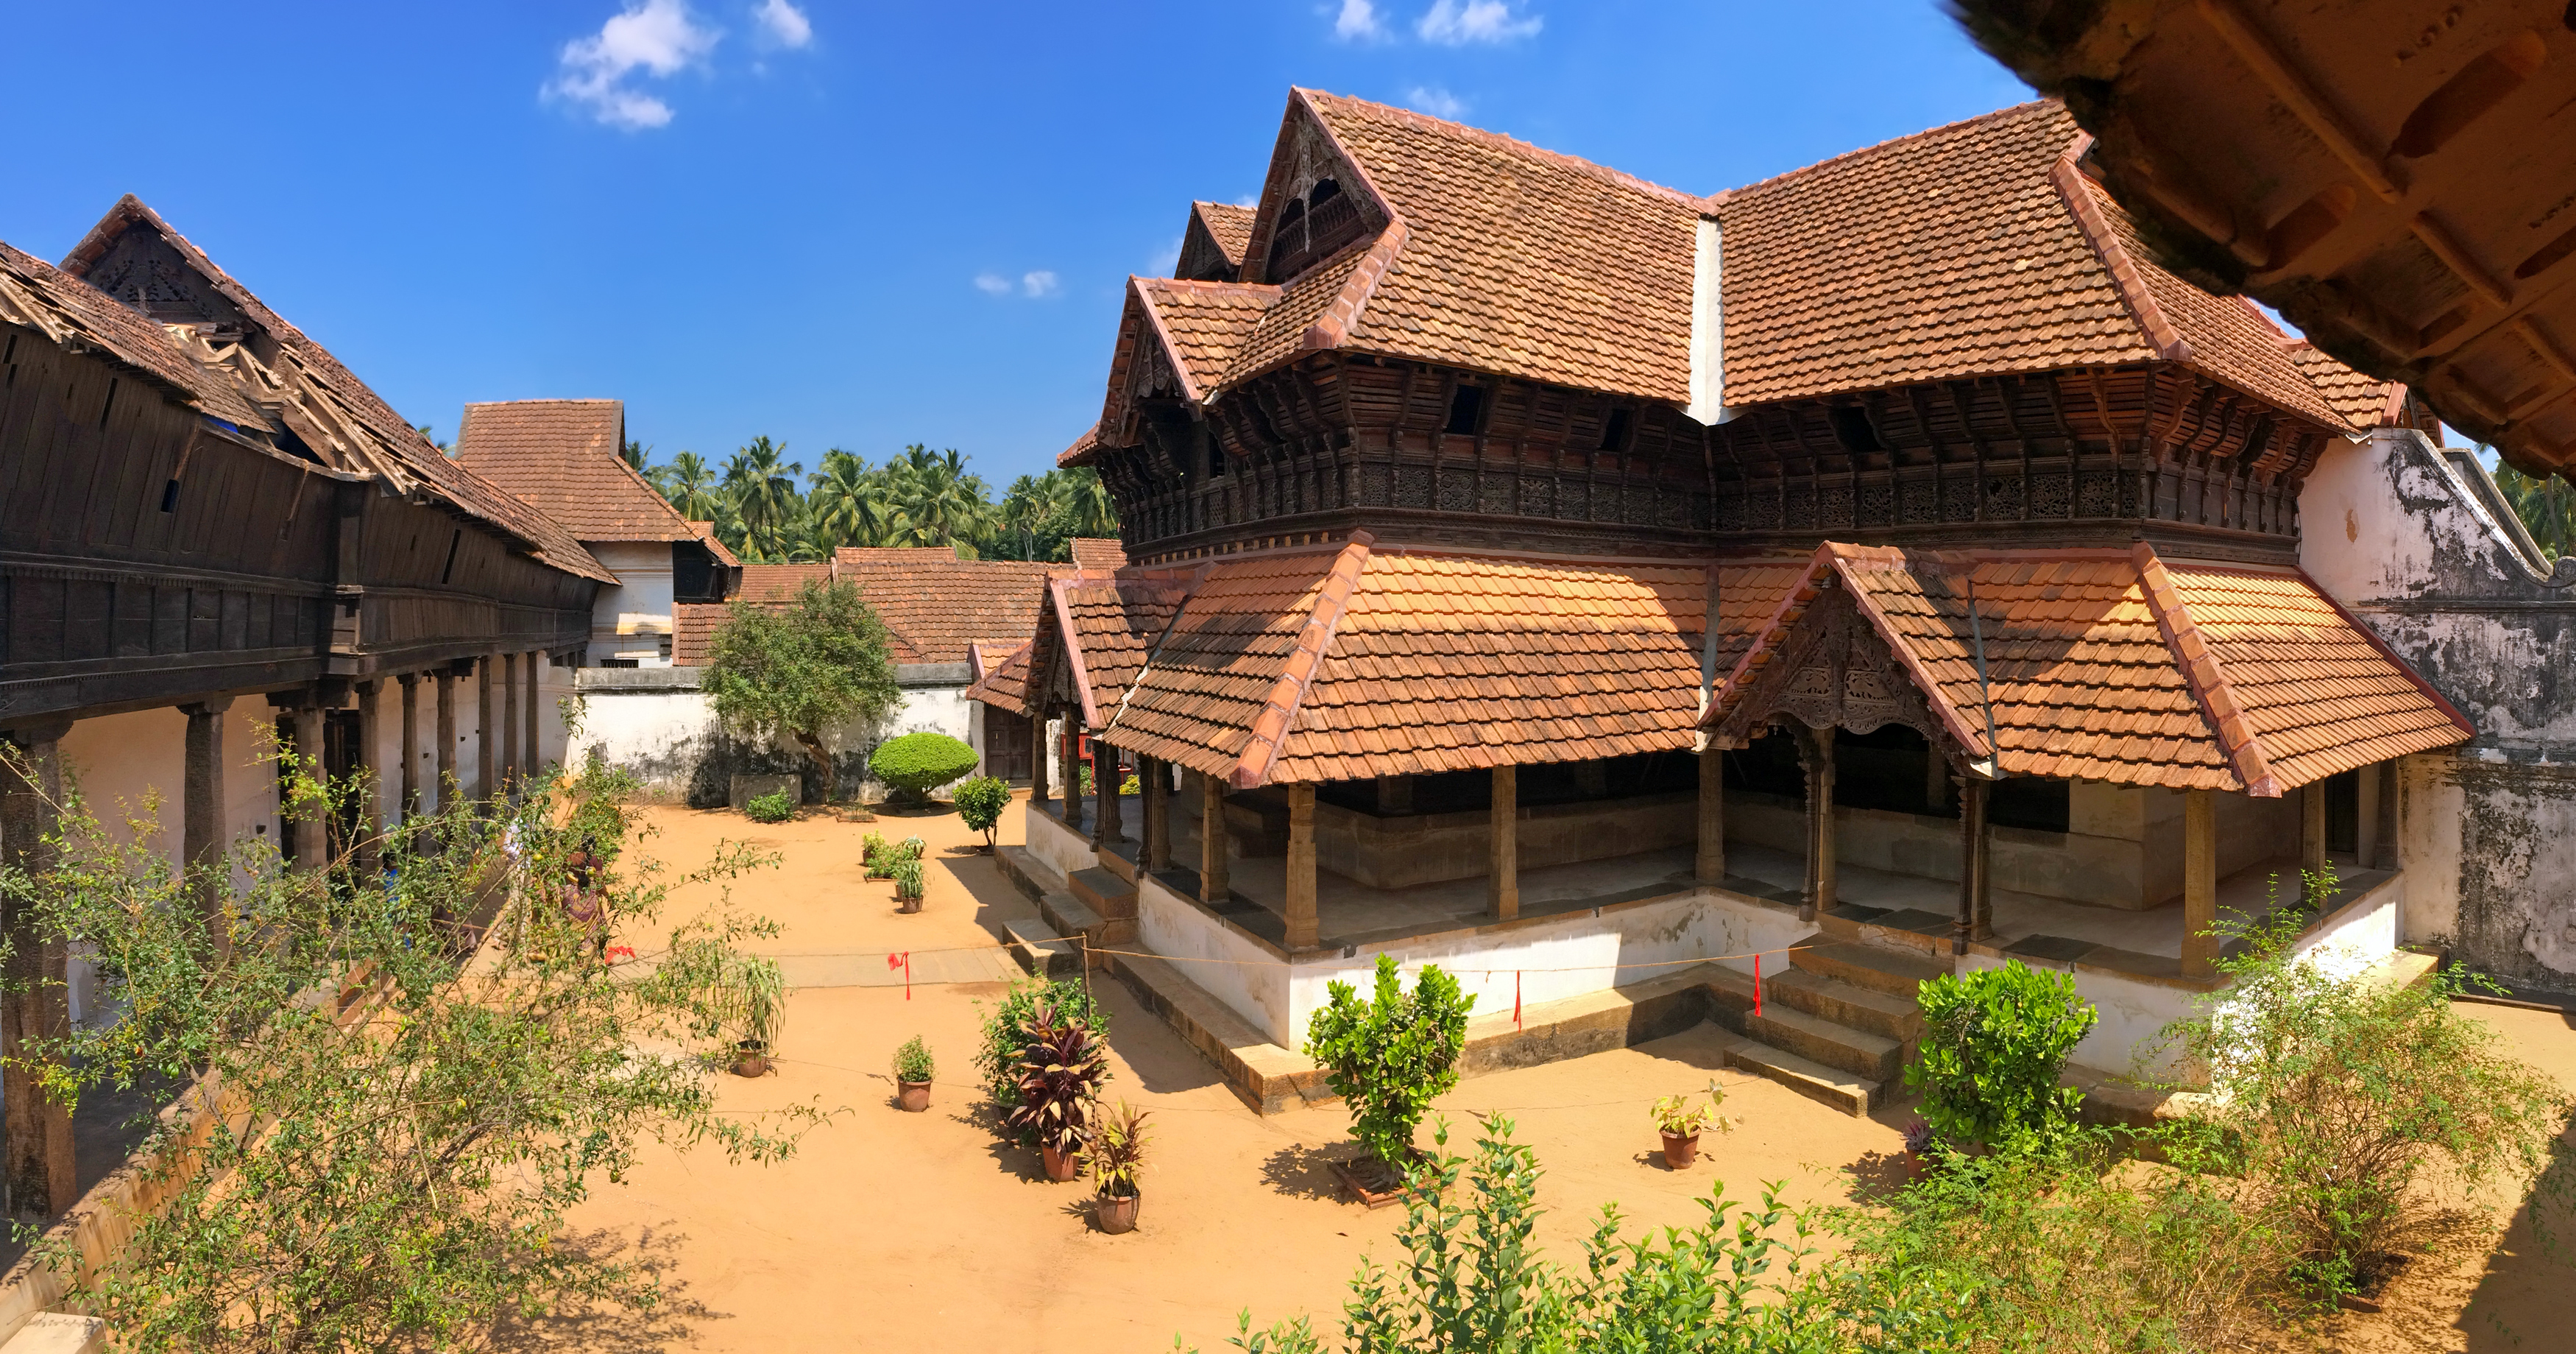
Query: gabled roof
{"x": 562, "y": 457}
{"x": 315, "y": 398}
{"x": 706, "y": 533}
{"x": 1001, "y": 677}
{"x": 1099, "y": 627}
{"x": 938, "y": 605}
{"x": 2120, "y": 666}
{"x": 1228, "y": 226}
{"x": 1098, "y": 552}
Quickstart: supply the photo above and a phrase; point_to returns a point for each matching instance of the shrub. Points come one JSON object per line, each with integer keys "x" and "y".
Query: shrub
{"x": 912, "y": 1061}
{"x": 1008, "y": 1026}
{"x": 1060, "y": 1070}
{"x": 2358, "y": 1111}
{"x": 1994, "y": 1044}
{"x": 775, "y": 807}
{"x": 1674, "y": 1117}
{"x": 751, "y": 998}
{"x": 980, "y": 802}
{"x": 907, "y": 878}
{"x": 917, "y": 763}
{"x": 800, "y": 672}
{"x": 1117, "y": 1153}
{"x": 870, "y": 846}
{"x": 1388, "y": 1058}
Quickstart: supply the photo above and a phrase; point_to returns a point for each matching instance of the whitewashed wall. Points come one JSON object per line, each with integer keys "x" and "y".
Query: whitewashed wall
{"x": 657, "y": 726}
{"x": 628, "y": 620}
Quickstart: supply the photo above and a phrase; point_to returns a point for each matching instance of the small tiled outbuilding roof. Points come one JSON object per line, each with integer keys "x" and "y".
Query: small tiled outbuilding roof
{"x": 1001, "y": 676}
{"x": 706, "y": 535}
{"x": 891, "y": 554}
{"x": 1098, "y": 552}
{"x": 561, "y": 456}
{"x": 2118, "y": 666}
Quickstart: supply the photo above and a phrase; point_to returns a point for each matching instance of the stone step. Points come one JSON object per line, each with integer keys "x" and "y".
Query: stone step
{"x": 1864, "y": 1009}
{"x": 1833, "y": 1087}
{"x": 1904, "y": 928}
{"x": 1898, "y": 973}
{"x": 1112, "y": 897}
{"x": 1040, "y": 949}
{"x": 1870, "y": 1056}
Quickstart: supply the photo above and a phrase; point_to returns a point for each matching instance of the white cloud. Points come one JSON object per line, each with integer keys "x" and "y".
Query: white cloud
{"x": 659, "y": 37}
{"x": 1165, "y": 259}
{"x": 1357, "y": 20}
{"x": 785, "y": 23}
{"x": 1248, "y": 200}
{"x": 1455, "y": 23}
{"x": 1437, "y": 101}
{"x": 993, "y": 284}
{"x": 1035, "y": 283}
{"x": 1040, "y": 283}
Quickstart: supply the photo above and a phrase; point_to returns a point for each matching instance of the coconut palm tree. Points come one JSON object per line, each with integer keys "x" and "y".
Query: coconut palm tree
{"x": 2545, "y": 503}
{"x": 1095, "y": 513}
{"x": 1026, "y": 507}
{"x": 637, "y": 455}
{"x": 690, "y": 485}
{"x": 762, "y": 484}
{"x": 850, "y": 503}
{"x": 940, "y": 502}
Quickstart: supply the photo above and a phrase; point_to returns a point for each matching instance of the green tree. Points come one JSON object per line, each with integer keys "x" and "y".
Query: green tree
{"x": 691, "y": 487}
{"x": 851, "y": 503}
{"x": 1391, "y": 1057}
{"x": 938, "y": 501}
{"x": 920, "y": 762}
{"x": 762, "y": 484}
{"x": 2547, "y": 506}
{"x": 1024, "y": 511}
{"x": 980, "y": 802}
{"x": 398, "y": 1108}
{"x": 1994, "y": 1043}
{"x": 803, "y": 672}
{"x": 637, "y": 456}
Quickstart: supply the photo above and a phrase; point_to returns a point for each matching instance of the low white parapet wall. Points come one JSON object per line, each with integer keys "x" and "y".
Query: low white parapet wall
{"x": 1537, "y": 959}
{"x": 1059, "y": 846}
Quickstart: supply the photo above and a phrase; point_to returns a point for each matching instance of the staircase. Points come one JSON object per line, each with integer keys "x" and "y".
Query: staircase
{"x": 1838, "y": 1025}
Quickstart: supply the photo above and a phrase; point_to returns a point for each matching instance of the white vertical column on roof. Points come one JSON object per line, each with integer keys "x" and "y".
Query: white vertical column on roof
{"x": 1708, "y": 327}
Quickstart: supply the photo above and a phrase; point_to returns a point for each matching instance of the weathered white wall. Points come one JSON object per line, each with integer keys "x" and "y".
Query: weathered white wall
{"x": 660, "y": 729}
{"x": 628, "y": 620}
{"x": 2408, "y": 539}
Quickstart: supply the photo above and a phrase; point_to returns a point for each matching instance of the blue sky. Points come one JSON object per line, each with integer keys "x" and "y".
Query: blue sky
{"x": 846, "y": 225}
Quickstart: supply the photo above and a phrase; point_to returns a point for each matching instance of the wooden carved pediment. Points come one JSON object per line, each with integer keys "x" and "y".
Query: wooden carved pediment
{"x": 1832, "y": 670}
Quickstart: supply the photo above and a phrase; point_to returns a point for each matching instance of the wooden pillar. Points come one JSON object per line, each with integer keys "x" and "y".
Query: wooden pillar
{"x": 1976, "y": 919}
{"x": 311, "y": 823}
{"x": 371, "y": 780}
{"x": 1712, "y": 816}
{"x": 1395, "y": 795}
{"x": 510, "y": 765}
{"x": 1592, "y": 779}
{"x": 1303, "y": 929}
{"x": 1936, "y": 780}
{"x": 485, "y": 781}
{"x": 1503, "y": 868}
{"x": 1816, "y": 751}
{"x": 201, "y": 830}
{"x": 532, "y": 759}
{"x": 38, "y": 1168}
{"x": 410, "y": 802}
{"x": 1157, "y": 778}
{"x": 2199, "y": 884}
{"x": 446, "y": 736}
{"x": 1105, "y": 827}
{"x": 1040, "y": 753}
{"x": 2365, "y": 846}
{"x": 1212, "y": 839}
{"x": 2312, "y": 827}
{"x": 1072, "y": 769}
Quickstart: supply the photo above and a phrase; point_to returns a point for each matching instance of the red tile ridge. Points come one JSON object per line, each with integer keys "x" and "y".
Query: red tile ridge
{"x": 1057, "y": 586}
{"x": 1335, "y": 326}
{"x": 2077, "y": 193}
{"x": 2200, "y": 669}
{"x": 1792, "y": 605}
{"x": 1406, "y": 117}
{"x": 2395, "y": 408}
{"x": 1279, "y": 712}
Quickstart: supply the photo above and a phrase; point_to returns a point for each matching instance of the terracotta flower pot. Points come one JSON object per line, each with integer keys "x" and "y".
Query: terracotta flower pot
{"x": 1115, "y": 1214}
{"x": 903, "y": 904}
{"x": 1680, "y": 1151}
{"x": 1060, "y": 1166}
{"x": 912, "y": 1097}
{"x": 751, "y": 1059}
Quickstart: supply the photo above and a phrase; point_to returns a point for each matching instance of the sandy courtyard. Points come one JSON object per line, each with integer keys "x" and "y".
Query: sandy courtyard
{"x": 901, "y": 1231}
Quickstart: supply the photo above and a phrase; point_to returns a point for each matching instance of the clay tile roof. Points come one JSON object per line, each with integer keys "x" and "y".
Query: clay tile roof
{"x": 1081, "y": 450}
{"x": 2363, "y": 400}
{"x": 36, "y": 295}
{"x": 561, "y": 456}
{"x": 892, "y": 554}
{"x": 936, "y": 605}
{"x": 1098, "y": 552}
{"x": 779, "y": 582}
{"x": 1228, "y": 225}
{"x": 346, "y": 424}
{"x": 2113, "y": 666}
{"x": 1205, "y": 326}
{"x": 1003, "y": 679}
{"x": 706, "y": 536}
{"x": 1106, "y": 625}
{"x": 1520, "y": 260}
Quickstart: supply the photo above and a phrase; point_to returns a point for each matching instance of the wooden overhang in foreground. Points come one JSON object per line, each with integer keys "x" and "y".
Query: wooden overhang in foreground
{"x": 2395, "y": 176}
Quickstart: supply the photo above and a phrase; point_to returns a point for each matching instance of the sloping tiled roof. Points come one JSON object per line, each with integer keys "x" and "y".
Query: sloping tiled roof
{"x": 1205, "y": 325}
{"x": 2363, "y": 400}
{"x": 936, "y": 608}
{"x": 1228, "y": 225}
{"x": 706, "y": 536}
{"x": 2113, "y": 666}
{"x": 892, "y": 554}
{"x": 1098, "y": 552}
{"x": 1002, "y": 677}
{"x": 326, "y": 406}
{"x": 1106, "y": 625}
{"x": 39, "y": 296}
{"x": 780, "y": 582}
{"x": 1080, "y": 452}
{"x": 561, "y": 456}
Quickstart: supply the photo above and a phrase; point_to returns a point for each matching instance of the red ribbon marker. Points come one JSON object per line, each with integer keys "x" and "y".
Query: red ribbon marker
{"x": 1516, "y": 998}
{"x": 903, "y": 961}
{"x": 1757, "y": 983}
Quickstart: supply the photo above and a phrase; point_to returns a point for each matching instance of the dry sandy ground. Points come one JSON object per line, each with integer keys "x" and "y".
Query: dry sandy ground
{"x": 903, "y": 1231}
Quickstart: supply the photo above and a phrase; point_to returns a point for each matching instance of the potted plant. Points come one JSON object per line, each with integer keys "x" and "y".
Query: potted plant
{"x": 872, "y": 849}
{"x": 1918, "y": 1148}
{"x": 1680, "y": 1125}
{"x": 907, "y": 886}
{"x": 1117, "y": 1154}
{"x": 1060, "y": 1071}
{"x": 753, "y": 996}
{"x": 913, "y": 1067}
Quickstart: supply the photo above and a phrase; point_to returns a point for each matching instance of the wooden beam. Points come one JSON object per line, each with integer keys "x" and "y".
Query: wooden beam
{"x": 1503, "y": 868}
{"x": 529, "y": 710}
{"x": 510, "y": 768}
{"x": 447, "y": 786}
{"x": 202, "y": 814}
{"x": 1816, "y": 750}
{"x": 1303, "y": 928}
{"x": 2302, "y": 98}
{"x": 39, "y": 1169}
{"x": 485, "y": 779}
{"x": 2199, "y": 885}
{"x": 1976, "y": 897}
{"x": 371, "y": 780}
{"x": 1155, "y": 775}
{"x": 2312, "y": 827}
{"x": 410, "y": 801}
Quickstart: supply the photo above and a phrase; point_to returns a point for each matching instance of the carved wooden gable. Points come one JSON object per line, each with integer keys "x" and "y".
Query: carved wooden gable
{"x": 149, "y": 275}
{"x": 1833, "y": 670}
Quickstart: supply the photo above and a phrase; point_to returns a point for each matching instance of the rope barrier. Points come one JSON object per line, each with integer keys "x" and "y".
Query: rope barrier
{"x": 902, "y": 958}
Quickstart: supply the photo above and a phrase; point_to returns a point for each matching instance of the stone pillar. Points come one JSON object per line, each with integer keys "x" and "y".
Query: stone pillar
{"x": 533, "y": 759}
{"x": 1816, "y": 750}
{"x": 1503, "y": 867}
{"x": 410, "y": 802}
{"x": 1303, "y": 929}
{"x": 371, "y": 821}
{"x": 37, "y": 1163}
{"x": 1976, "y": 919}
{"x": 2199, "y": 884}
{"x": 2365, "y": 845}
{"x": 2312, "y": 831}
{"x": 1212, "y": 837}
{"x": 1395, "y": 795}
{"x": 510, "y": 770}
{"x": 202, "y": 814}
{"x": 1156, "y": 776}
{"x": 485, "y": 779}
{"x": 446, "y": 735}
{"x": 1104, "y": 784}
{"x": 1711, "y": 867}
{"x": 311, "y": 824}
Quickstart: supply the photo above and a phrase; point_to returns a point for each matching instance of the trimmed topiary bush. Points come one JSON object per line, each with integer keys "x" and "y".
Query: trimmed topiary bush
{"x": 917, "y": 763}
{"x": 775, "y": 807}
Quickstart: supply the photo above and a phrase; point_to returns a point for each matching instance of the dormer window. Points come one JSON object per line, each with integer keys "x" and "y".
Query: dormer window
{"x": 1312, "y": 227}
